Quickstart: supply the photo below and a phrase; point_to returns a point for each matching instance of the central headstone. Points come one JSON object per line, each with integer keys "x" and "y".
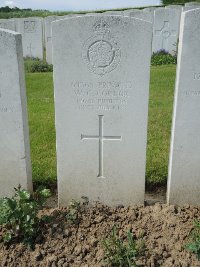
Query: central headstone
{"x": 101, "y": 79}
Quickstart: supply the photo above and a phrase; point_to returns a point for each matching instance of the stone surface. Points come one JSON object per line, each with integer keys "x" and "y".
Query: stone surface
{"x": 175, "y": 6}
{"x": 127, "y": 12}
{"x": 166, "y": 29}
{"x": 15, "y": 167}
{"x": 8, "y": 24}
{"x": 140, "y": 14}
{"x": 184, "y": 167}
{"x": 192, "y": 4}
{"x": 113, "y": 12}
{"x": 32, "y": 36}
{"x": 101, "y": 82}
{"x": 48, "y": 37}
{"x": 187, "y": 8}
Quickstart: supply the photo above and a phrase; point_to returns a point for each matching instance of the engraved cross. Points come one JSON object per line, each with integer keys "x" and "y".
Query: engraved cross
{"x": 165, "y": 32}
{"x": 30, "y": 49}
{"x": 101, "y": 139}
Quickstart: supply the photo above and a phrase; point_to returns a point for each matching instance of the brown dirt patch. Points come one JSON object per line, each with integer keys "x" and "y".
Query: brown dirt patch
{"x": 164, "y": 229}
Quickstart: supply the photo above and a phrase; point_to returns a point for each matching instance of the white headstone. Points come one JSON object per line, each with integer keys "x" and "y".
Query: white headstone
{"x": 15, "y": 167}
{"x": 175, "y": 6}
{"x": 48, "y": 37}
{"x": 140, "y": 14}
{"x": 184, "y": 166}
{"x": 8, "y": 24}
{"x": 166, "y": 29}
{"x": 128, "y": 11}
{"x": 149, "y": 9}
{"x": 32, "y": 36}
{"x": 192, "y": 4}
{"x": 113, "y": 12}
{"x": 187, "y": 8}
{"x": 101, "y": 82}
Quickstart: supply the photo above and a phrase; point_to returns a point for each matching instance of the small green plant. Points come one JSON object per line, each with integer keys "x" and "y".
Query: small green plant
{"x": 194, "y": 246}
{"x": 73, "y": 212}
{"x": 36, "y": 65}
{"x": 120, "y": 253}
{"x": 163, "y": 57}
{"x": 19, "y": 215}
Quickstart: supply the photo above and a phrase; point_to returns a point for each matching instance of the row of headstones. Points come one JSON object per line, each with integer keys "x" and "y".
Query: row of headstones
{"x": 36, "y": 32}
{"x": 101, "y": 83}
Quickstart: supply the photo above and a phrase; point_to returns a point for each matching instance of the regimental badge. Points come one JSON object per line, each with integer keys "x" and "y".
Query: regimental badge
{"x": 101, "y": 51}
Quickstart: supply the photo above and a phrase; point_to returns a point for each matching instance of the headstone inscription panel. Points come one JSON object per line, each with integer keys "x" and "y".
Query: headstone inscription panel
{"x": 15, "y": 167}
{"x": 101, "y": 81}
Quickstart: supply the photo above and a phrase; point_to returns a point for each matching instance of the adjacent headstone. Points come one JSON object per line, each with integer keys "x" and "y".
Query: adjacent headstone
{"x": 48, "y": 37}
{"x": 113, "y": 12}
{"x": 8, "y": 24}
{"x": 184, "y": 167}
{"x": 187, "y": 8}
{"x": 140, "y": 14}
{"x": 15, "y": 167}
{"x": 128, "y": 11}
{"x": 32, "y": 36}
{"x": 166, "y": 29}
{"x": 192, "y": 4}
{"x": 175, "y": 6}
{"x": 151, "y": 11}
{"x": 101, "y": 82}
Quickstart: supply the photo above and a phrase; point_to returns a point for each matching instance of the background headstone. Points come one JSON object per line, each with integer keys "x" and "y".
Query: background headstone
{"x": 140, "y": 14}
{"x": 184, "y": 166}
{"x": 101, "y": 81}
{"x": 179, "y": 7}
{"x": 15, "y": 166}
{"x": 8, "y": 24}
{"x": 32, "y": 36}
{"x": 192, "y": 4}
{"x": 48, "y": 37}
{"x": 114, "y": 12}
{"x": 187, "y": 8}
{"x": 166, "y": 29}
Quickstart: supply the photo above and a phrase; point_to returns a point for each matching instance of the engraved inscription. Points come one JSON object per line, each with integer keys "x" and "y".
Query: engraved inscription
{"x": 105, "y": 96}
{"x": 192, "y": 93}
{"x": 29, "y": 26}
{"x": 101, "y": 51}
{"x": 196, "y": 76}
{"x": 101, "y": 138}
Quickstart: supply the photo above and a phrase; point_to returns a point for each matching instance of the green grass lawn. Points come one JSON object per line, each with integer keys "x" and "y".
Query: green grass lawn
{"x": 42, "y": 130}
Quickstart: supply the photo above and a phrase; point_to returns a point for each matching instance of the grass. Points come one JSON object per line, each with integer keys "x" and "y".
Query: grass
{"x": 42, "y": 131}
{"x": 159, "y": 124}
{"x": 42, "y": 126}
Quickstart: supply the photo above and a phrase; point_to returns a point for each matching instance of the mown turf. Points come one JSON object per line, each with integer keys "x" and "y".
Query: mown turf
{"x": 159, "y": 124}
{"x": 41, "y": 126}
{"x": 42, "y": 130}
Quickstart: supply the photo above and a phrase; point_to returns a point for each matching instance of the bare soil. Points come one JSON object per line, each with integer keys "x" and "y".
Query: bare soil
{"x": 163, "y": 228}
